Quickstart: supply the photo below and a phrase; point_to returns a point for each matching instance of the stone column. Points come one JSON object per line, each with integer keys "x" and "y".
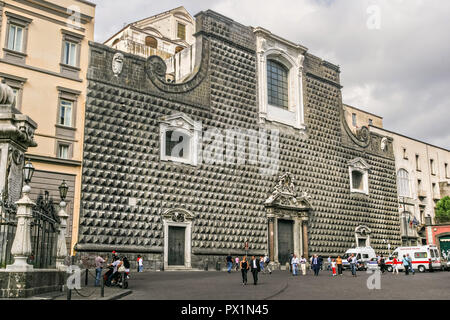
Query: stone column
{"x": 271, "y": 239}
{"x": 305, "y": 236}
{"x": 297, "y": 235}
{"x": 21, "y": 247}
{"x": 61, "y": 251}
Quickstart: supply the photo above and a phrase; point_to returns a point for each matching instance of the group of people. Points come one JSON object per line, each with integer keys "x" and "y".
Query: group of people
{"x": 295, "y": 263}
{"x": 255, "y": 266}
{"x": 406, "y": 262}
{"x": 117, "y": 266}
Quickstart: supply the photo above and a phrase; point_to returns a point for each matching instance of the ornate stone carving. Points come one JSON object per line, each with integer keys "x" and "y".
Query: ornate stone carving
{"x": 117, "y": 64}
{"x": 384, "y": 144}
{"x": 7, "y": 95}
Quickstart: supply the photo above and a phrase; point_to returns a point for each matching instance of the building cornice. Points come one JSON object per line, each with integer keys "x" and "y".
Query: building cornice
{"x": 260, "y": 30}
{"x": 54, "y": 9}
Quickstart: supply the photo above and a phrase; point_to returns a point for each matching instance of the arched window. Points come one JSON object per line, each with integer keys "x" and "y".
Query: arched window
{"x": 403, "y": 183}
{"x": 151, "y": 42}
{"x": 277, "y": 84}
{"x": 115, "y": 42}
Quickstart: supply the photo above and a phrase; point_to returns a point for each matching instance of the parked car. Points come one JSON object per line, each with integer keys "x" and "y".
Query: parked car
{"x": 372, "y": 264}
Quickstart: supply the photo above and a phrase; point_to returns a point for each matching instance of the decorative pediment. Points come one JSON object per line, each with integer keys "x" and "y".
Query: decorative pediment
{"x": 363, "y": 230}
{"x": 180, "y": 121}
{"x": 285, "y": 195}
{"x": 178, "y": 215}
{"x": 359, "y": 163}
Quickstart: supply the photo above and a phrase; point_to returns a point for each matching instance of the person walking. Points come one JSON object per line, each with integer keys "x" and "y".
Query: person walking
{"x": 405, "y": 265}
{"x": 244, "y": 269}
{"x": 411, "y": 268}
{"x": 255, "y": 268}
{"x": 382, "y": 264}
{"x": 353, "y": 262}
{"x": 126, "y": 264}
{"x": 339, "y": 265}
{"x": 315, "y": 264}
{"x": 329, "y": 263}
{"x": 394, "y": 265}
{"x": 99, "y": 261}
{"x": 140, "y": 264}
{"x": 294, "y": 265}
{"x": 236, "y": 261}
{"x": 333, "y": 267}
{"x": 303, "y": 265}
{"x": 290, "y": 262}
{"x": 229, "y": 260}
{"x": 261, "y": 263}
{"x": 267, "y": 266}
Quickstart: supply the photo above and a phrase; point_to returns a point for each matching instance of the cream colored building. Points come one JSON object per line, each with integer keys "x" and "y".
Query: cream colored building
{"x": 168, "y": 34}
{"x": 44, "y": 58}
{"x": 357, "y": 118}
{"x": 421, "y": 169}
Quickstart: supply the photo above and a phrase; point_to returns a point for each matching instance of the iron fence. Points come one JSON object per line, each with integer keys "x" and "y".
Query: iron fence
{"x": 44, "y": 232}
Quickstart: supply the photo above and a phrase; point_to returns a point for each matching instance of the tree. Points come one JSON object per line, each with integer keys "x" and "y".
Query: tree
{"x": 443, "y": 210}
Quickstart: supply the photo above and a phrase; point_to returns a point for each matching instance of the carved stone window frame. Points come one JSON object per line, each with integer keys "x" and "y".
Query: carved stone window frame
{"x": 183, "y": 124}
{"x": 20, "y": 21}
{"x": 361, "y": 166}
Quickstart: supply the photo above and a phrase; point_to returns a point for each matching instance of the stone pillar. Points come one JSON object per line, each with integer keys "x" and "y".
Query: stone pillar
{"x": 297, "y": 232}
{"x": 16, "y": 136}
{"x": 61, "y": 251}
{"x": 21, "y": 247}
{"x": 305, "y": 236}
{"x": 271, "y": 238}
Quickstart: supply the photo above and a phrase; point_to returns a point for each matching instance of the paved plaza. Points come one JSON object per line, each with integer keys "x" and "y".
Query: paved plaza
{"x": 280, "y": 285}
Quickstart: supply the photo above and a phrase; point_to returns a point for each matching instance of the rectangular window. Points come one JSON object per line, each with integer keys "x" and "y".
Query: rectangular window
{"x": 70, "y": 53}
{"x": 432, "y": 166}
{"x": 417, "y": 163}
{"x": 405, "y": 156}
{"x": 181, "y": 31}
{"x": 354, "y": 119}
{"x": 446, "y": 170}
{"x": 65, "y": 113}
{"x": 15, "y": 38}
{"x": 420, "y": 255}
{"x": 63, "y": 151}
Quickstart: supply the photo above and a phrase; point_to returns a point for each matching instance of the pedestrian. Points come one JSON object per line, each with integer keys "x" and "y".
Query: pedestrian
{"x": 140, "y": 264}
{"x": 315, "y": 264}
{"x": 321, "y": 262}
{"x": 267, "y": 266}
{"x": 244, "y": 269}
{"x": 236, "y": 261}
{"x": 411, "y": 268}
{"x": 430, "y": 265}
{"x": 99, "y": 261}
{"x": 261, "y": 263}
{"x": 333, "y": 267}
{"x": 329, "y": 263}
{"x": 353, "y": 262}
{"x": 382, "y": 264}
{"x": 303, "y": 265}
{"x": 290, "y": 262}
{"x": 405, "y": 265}
{"x": 294, "y": 265}
{"x": 339, "y": 265}
{"x": 229, "y": 263}
{"x": 126, "y": 264}
{"x": 255, "y": 268}
{"x": 394, "y": 265}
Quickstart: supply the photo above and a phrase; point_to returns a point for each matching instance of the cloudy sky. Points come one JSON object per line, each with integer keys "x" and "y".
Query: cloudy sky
{"x": 394, "y": 54}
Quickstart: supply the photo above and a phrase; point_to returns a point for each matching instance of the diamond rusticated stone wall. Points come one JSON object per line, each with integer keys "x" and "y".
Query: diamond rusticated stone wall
{"x": 122, "y": 157}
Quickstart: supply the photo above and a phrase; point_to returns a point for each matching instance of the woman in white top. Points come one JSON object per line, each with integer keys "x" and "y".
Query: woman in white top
{"x": 294, "y": 265}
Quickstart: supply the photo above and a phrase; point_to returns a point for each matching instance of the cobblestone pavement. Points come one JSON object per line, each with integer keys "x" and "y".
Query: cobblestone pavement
{"x": 215, "y": 285}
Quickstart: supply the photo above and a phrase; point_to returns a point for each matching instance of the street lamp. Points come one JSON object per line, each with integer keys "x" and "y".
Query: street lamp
{"x": 28, "y": 171}
{"x": 63, "y": 190}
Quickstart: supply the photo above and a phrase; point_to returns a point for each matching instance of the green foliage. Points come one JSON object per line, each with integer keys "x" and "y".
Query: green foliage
{"x": 443, "y": 210}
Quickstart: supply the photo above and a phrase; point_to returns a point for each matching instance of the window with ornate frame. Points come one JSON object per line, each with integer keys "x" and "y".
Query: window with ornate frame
{"x": 359, "y": 176}
{"x": 179, "y": 136}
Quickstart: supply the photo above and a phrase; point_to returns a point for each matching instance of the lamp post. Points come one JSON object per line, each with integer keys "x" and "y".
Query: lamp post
{"x": 61, "y": 251}
{"x": 21, "y": 247}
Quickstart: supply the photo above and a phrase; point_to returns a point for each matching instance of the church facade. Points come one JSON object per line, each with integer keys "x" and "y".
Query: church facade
{"x": 251, "y": 154}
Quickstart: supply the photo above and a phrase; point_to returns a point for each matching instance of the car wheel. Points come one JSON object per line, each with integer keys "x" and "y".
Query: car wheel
{"x": 389, "y": 268}
{"x": 421, "y": 269}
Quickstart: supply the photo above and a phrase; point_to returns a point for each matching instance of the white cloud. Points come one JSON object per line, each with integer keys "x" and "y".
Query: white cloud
{"x": 400, "y": 71}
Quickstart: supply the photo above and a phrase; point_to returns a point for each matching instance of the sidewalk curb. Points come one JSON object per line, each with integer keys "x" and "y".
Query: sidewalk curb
{"x": 118, "y": 296}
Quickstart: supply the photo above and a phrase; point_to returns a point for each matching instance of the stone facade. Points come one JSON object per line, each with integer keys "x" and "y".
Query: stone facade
{"x": 127, "y": 191}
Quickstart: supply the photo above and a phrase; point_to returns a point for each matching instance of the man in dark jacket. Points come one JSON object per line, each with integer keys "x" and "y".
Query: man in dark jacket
{"x": 315, "y": 264}
{"x": 255, "y": 268}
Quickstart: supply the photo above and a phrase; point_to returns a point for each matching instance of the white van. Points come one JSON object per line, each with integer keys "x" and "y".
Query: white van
{"x": 420, "y": 257}
{"x": 362, "y": 254}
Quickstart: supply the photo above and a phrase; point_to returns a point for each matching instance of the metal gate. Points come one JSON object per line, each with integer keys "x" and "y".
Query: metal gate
{"x": 285, "y": 240}
{"x": 176, "y": 246}
{"x": 444, "y": 245}
{"x": 44, "y": 232}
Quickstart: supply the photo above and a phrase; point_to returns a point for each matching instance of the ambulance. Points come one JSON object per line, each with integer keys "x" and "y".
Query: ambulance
{"x": 362, "y": 254}
{"x": 420, "y": 257}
